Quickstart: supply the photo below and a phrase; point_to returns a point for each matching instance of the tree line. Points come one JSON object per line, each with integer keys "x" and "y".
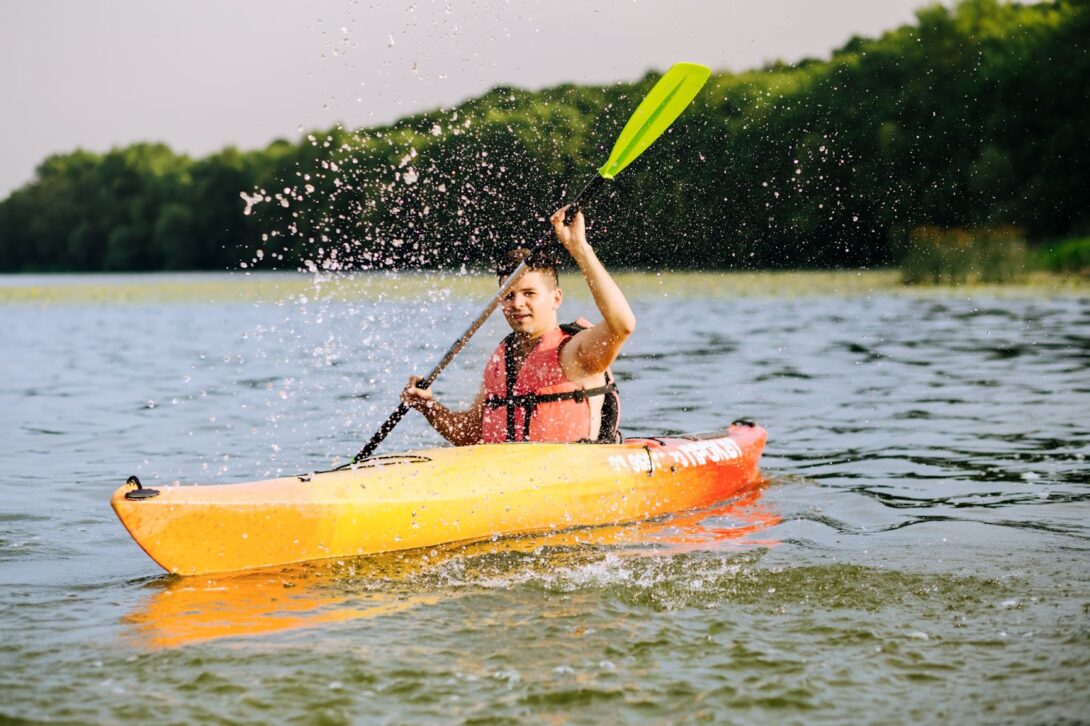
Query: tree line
{"x": 973, "y": 116}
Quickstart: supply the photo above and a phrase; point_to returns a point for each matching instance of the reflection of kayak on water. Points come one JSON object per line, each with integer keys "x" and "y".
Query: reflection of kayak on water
{"x": 182, "y": 611}
{"x": 436, "y": 496}
{"x": 194, "y": 610}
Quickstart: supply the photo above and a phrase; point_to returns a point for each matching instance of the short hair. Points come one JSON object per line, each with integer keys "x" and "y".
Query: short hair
{"x": 539, "y": 260}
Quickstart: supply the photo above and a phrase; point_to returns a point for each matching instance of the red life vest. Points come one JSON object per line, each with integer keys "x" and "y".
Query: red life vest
{"x": 537, "y": 402}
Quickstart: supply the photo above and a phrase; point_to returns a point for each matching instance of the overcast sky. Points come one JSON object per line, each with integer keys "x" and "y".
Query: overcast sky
{"x": 202, "y": 74}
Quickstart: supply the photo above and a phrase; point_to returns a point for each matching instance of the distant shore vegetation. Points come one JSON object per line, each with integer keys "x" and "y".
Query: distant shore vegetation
{"x": 419, "y": 287}
{"x": 954, "y": 147}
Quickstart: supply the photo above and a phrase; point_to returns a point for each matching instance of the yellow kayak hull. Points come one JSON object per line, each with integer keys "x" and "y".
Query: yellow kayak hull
{"x": 436, "y": 496}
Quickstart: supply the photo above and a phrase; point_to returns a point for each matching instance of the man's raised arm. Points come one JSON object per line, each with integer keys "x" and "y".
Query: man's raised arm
{"x": 593, "y": 350}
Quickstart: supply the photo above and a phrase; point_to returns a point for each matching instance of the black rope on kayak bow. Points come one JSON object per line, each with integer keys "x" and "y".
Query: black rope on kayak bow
{"x": 370, "y": 463}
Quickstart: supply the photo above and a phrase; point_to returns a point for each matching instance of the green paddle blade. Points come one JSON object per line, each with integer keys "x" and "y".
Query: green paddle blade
{"x": 670, "y": 96}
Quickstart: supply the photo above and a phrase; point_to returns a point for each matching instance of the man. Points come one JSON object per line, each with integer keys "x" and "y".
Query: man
{"x": 545, "y": 382}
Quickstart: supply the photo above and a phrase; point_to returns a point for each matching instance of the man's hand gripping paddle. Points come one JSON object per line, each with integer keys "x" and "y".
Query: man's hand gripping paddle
{"x": 662, "y": 105}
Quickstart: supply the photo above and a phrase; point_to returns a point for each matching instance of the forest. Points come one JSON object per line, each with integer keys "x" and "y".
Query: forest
{"x": 972, "y": 118}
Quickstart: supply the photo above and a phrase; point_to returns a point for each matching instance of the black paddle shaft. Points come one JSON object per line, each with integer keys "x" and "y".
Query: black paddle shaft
{"x": 583, "y": 197}
{"x": 384, "y": 430}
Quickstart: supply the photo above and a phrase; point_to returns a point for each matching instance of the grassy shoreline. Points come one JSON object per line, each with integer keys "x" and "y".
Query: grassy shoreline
{"x": 206, "y": 287}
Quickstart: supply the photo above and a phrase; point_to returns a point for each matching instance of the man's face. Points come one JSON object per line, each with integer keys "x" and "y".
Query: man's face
{"x": 530, "y": 306}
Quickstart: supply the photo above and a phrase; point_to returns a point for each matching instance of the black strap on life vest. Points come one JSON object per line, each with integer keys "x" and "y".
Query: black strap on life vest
{"x": 510, "y": 377}
{"x": 608, "y": 432}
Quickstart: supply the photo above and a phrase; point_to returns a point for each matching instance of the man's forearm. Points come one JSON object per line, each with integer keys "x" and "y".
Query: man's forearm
{"x": 607, "y": 294}
{"x": 454, "y": 426}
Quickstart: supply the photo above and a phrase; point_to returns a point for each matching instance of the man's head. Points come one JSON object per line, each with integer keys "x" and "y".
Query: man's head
{"x": 536, "y": 261}
{"x": 530, "y": 306}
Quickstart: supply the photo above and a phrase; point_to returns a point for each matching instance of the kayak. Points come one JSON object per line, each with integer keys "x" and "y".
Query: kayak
{"x": 187, "y": 610}
{"x": 436, "y": 496}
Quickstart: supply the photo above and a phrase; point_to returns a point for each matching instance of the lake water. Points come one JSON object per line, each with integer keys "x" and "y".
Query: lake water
{"x": 918, "y": 553}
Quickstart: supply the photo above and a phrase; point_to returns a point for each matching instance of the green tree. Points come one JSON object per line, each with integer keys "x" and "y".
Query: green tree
{"x": 971, "y": 116}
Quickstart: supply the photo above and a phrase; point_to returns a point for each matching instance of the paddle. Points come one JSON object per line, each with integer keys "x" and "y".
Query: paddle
{"x": 662, "y": 105}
